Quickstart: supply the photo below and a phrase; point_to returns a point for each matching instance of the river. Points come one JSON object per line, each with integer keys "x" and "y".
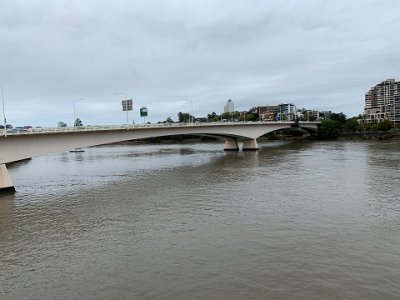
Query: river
{"x": 294, "y": 220}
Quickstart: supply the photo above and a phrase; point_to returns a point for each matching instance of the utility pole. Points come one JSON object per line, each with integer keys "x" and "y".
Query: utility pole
{"x": 73, "y": 103}
{"x": 126, "y": 105}
{"x": 4, "y": 112}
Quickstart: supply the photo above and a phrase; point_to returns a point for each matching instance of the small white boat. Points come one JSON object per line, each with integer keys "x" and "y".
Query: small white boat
{"x": 77, "y": 150}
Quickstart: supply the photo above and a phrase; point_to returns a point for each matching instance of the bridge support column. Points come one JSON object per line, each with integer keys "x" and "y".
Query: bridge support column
{"x": 231, "y": 145}
{"x": 6, "y": 185}
{"x": 250, "y": 145}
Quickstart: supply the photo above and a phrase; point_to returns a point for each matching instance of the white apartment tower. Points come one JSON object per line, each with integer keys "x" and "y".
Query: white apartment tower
{"x": 382, "y": 102}
{"x": 229, "y": 107}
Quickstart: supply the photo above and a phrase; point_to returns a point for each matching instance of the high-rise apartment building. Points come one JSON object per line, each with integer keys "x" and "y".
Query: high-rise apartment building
{"x": 229, "y": 107}
{"x": 382, "y": 102}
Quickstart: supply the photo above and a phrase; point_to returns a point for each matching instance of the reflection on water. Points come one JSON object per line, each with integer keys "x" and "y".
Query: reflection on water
{"x": 6, "y": 212}
{"x": 295, "y": 220}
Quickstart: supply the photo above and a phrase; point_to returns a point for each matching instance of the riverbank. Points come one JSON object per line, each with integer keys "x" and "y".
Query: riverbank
{"x": 370, "y": 135}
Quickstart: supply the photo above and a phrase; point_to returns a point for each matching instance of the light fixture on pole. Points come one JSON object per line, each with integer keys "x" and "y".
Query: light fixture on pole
{"x": 4, "y": 112}
{"x": 191, "y": 111}
{"x": 73, "y": 103}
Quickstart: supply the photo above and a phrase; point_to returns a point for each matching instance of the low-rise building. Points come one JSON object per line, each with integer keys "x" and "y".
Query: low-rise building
{"x": 287, "y": 112}
{"x": 268, "y": 112}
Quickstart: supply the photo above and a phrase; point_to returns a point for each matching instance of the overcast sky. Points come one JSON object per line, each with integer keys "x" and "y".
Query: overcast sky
{"x": 190, "y": 56}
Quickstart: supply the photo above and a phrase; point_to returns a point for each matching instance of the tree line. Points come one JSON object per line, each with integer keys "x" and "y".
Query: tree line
{"x": 250, "y": 115}
{"x": 332, "y": 128}
{"x": 338, "y": 124}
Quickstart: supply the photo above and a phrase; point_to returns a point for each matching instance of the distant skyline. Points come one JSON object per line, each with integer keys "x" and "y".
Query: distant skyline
{"x": 190, "y": 56}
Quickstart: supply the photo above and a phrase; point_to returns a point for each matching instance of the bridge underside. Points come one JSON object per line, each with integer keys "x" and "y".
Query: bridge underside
{"x": 17, "y": 147}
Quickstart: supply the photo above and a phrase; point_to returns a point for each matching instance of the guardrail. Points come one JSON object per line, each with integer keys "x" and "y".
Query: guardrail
{"x": 18, "y": 131}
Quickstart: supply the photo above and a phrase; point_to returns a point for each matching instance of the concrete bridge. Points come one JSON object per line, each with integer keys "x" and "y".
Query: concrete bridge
{"x": 15, "y": 146}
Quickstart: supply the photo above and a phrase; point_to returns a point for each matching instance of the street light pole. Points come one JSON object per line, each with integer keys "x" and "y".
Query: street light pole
{"x": 73, "y": 103}
{"x": 191, "y": 114}
{"x": 4, "y": 112}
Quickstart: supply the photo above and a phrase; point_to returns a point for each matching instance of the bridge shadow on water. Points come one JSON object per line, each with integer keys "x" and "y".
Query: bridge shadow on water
{"x": 270, "y": 153}
{"x": 106, "y": 166}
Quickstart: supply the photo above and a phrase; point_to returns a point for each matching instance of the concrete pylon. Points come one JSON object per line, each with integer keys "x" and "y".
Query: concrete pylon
{"x": 231, "y": 145}
{"x": 6, "y": 185}
{"x": 250, "y": 145}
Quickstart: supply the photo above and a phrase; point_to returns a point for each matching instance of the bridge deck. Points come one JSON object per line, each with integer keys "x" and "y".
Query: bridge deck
{"x": 139, "y": 126}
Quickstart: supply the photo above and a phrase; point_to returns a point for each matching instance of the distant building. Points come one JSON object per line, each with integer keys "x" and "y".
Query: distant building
{"x": 309, "y": 115}
{"x": 229, "y": 107}
{"x": 268, "y": 112}
{"x": 324, "y": 115}
{"x": 300, "y": 115}
{"x": 281, "y": 112}
{"x": 287, "y": 112}
{"x": 382, "y": 102}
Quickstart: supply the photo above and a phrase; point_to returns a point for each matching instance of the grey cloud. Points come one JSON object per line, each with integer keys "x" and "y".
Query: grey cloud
{"x": 317, "y": 54}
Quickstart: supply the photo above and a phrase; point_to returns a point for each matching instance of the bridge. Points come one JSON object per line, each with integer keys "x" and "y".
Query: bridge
{"x": 15, "y": 146}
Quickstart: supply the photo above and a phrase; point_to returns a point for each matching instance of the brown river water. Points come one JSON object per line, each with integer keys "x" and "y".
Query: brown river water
{"x": 294, "y": 220}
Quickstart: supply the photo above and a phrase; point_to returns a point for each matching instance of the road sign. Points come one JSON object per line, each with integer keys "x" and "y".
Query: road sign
{"x": 143, "y": 111}
{"x": 127, "y": 104}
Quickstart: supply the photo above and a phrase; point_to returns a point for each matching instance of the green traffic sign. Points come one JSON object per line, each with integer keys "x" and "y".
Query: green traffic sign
{"x": 143, "y": 111}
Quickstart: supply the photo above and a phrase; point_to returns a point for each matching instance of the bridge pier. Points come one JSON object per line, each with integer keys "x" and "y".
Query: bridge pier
{"x": 6, "y": 185}
{"x": 231, "y": 145}
{"x": 250, "y": 145}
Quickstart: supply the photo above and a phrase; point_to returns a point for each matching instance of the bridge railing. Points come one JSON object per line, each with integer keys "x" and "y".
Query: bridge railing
{"x": 133, "y": 126}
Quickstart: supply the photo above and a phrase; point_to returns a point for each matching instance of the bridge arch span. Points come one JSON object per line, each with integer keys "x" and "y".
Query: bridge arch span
{"x": 16, "y": 147}
{"x": 19, "y": 146}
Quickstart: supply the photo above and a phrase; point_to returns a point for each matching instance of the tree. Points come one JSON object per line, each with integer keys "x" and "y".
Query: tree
{"x": 227, "y": 116}
{"x": 78, "y": 122}
{"x": 62, "y": 124}
{"x": 236, "y": 115}
{"x": 185, "y": 117}
{"x": 371, "y": 126}
{"x": 247, "y": 117}
{"x": 169, "y": 120}
{"x": 251, "y": 117}
{"x": 253, "y": 111}
{"x": 212, "y": 116}
{"x": 329, "y": 130}
{"x": 386, "y": 125}
{"x": 340, "y": 117}
{"x": 351, "y": 125}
